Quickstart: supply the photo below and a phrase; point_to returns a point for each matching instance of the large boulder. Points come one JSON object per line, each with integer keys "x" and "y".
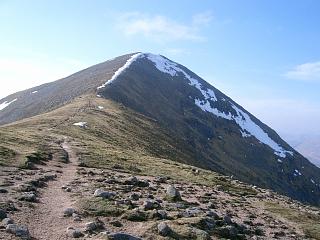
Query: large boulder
{"x": 19, "y": 231}
{"x": 103, "y": 194}
{"x": 173, "y": 194}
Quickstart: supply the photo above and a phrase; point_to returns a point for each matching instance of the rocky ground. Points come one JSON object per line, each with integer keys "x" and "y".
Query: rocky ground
{"x": 59, "y": 200}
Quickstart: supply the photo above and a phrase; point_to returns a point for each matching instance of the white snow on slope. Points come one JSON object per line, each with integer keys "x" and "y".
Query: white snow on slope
{"x": 122, "y": 69}
{"x": 34, "y": 92}
{"x": 172, "y": 68}
{"x": 297, "y": 172}
{"x": 6, "y": 104}
{"x": 248, "y": 127}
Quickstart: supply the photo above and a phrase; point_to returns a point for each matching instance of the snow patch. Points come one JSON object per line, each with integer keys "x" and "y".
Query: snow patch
{"x": 6, "y": 104}
{"x": 205, "y": 106}
{"x": 81, "y": 124}
{"x": 172, "y": 68}
{"x": 122, "y": 69}
{"x": 279, "y": 160}
{"x": 312, "y": 181}
{"x": 34, "y": 92}
{"x": 98, "y": 95}
{"x": 100, "y": 107}
{"x": 297, "y": 172}
{"x": 248, "y": 127}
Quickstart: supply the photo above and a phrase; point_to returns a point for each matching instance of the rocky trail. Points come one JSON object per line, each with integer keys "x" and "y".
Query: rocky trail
{"x": 55, "y": 198}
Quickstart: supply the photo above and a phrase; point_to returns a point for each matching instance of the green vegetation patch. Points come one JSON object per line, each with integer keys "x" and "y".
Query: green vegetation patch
{"x": 6, "y": 155}
{"x": 99, "y": 207}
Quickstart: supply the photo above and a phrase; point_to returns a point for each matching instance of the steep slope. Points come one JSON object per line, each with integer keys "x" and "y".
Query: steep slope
{"x": 221, "y": 135}
{"x": 160, "y": 109}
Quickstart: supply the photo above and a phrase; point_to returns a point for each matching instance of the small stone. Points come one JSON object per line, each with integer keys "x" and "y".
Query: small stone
{"x": 173, "y": 193}
{"x": 74, "y": 233}
{"x": 227, "y": 219}
{"x": 68, "y": 212}
{"x": 150, "y": 205}
{"x": 143, "y": 183}
{"x": 68, "y": 189}
{"x": 28, "y": 197}
{"x": 116, "y": 223}
{"x": 122, "y": 236}
{"x": 135, "y": 196}
{"x": 163, "y": 229}
{"x": 160, "y": 179}
{"x": 200, "y": 234}
{"x": 19, "y": 231}
{"x": 103, "y": 194}
{"x": 7, "y": 221}
{"x": 213, "y": 215}
{"x": 163, "y": 214}
{"x": 90, "y": 226}
{"x": 3, "y": 214}
{"x": 227, "y": 231}
{"x": 131, "y": 181}
{"x": 2, "y": 190}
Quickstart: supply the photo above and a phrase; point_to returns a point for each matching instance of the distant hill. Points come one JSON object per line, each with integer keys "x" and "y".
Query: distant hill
{"x": 307, "y": 145}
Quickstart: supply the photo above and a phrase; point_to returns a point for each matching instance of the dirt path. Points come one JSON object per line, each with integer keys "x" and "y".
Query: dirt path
{"x": 48, "y": 221}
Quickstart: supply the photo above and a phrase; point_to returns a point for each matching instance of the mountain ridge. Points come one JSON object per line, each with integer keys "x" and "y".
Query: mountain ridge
{"x": 208, "y": 132}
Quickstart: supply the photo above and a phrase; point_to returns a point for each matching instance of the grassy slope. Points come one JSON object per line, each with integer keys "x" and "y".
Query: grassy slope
{"x": 116, "y": 138}
{"x": 113, "y": 140}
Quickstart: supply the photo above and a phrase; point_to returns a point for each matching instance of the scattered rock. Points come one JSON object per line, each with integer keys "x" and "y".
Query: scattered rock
{"x": 74, "y": 233}
{"x": 19, "y": 231}
{"x": 200, "y": 234}
{"x": 163, "y": 229}
{"x": 122, "y": 236}
{"x": 163, "y": 214}
{"x": 7, "y": 221}
{"x": 28, "y": 197}
{"x": 3, "y": 190}
{"x": 116, "y": 223}
{"x": 103, "y": 194}
{"x": 3, "y": 214}
{"x": 68, "y": 212}
{"x": 150, "y": 205}
{"x": 173, "y": 194}
{"x": 227, "y": 231}
{"x": 135, "y": 196}
{"x": 131, "y": 181}
{"x": 90, "y": 226}
{"x": 227, "y": 219}
{"x": 143, "y": 183}
{"x": 161, "y": 179}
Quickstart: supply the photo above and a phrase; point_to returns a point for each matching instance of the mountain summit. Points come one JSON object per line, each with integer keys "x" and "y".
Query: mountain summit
{"x": 168, "y": 112}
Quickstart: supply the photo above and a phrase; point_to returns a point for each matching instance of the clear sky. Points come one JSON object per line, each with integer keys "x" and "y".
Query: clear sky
{"x": 265, "y": 54}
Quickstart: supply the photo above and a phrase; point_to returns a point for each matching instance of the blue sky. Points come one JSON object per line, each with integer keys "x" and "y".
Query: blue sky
{"x": 263, "y": 54}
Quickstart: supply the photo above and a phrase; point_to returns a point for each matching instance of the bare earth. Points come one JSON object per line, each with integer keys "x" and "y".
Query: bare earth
{"x": 54, "y": 199}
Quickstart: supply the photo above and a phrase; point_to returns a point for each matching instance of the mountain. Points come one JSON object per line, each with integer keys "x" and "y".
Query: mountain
{"x": 142, "y": 104}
